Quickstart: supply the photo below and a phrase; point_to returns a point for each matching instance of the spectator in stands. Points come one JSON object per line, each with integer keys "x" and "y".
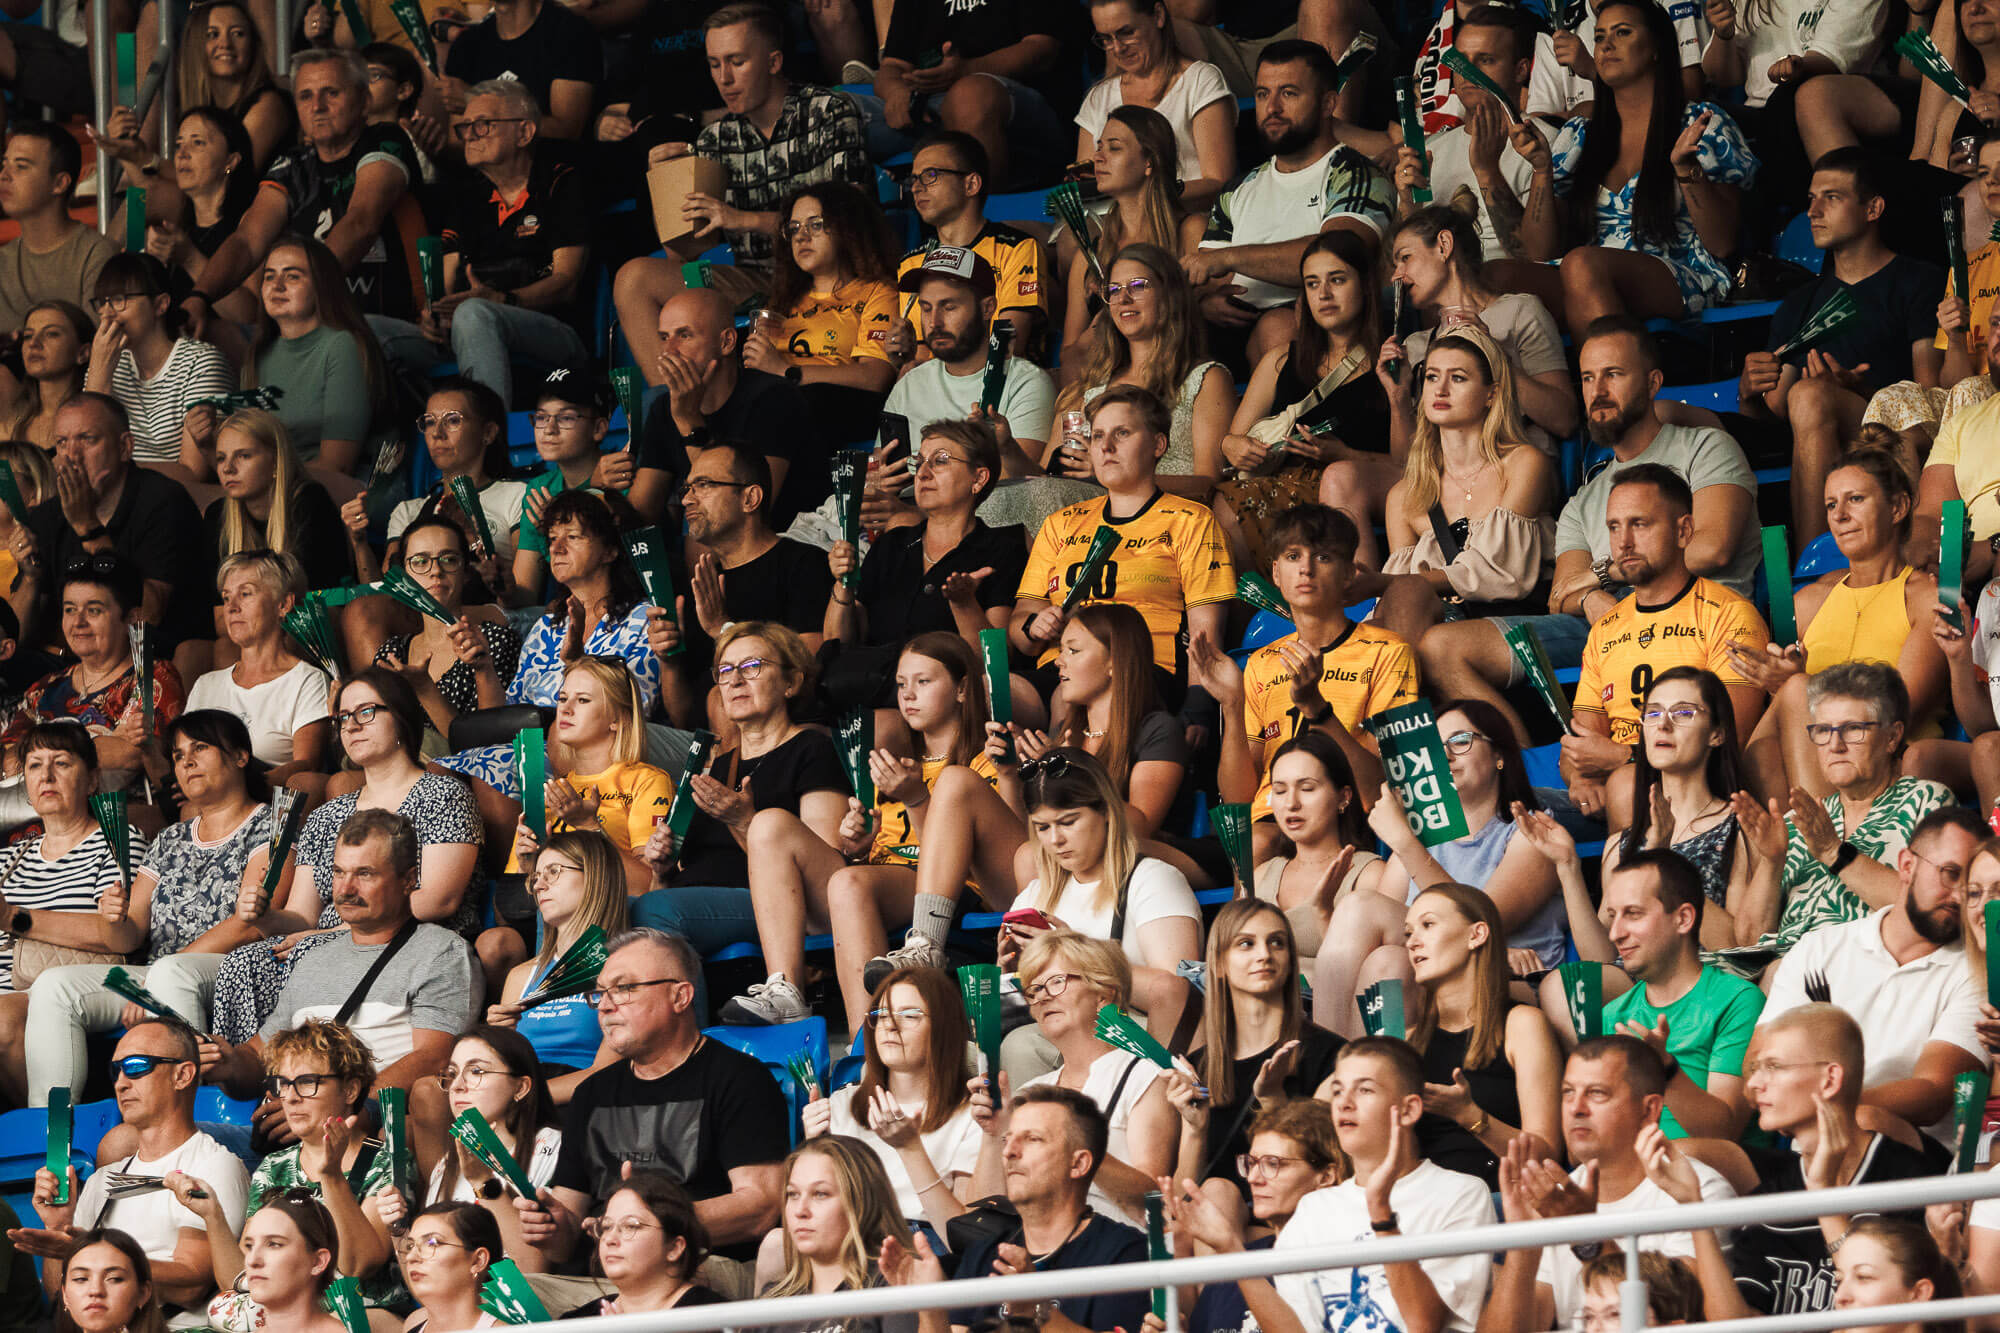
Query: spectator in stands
{"x": 1132, "y": 166}
{"x": 1839, "y": 853}
{"x": 349, "y": 188}
{"x": 1650, "y": 514}
{"x": 315, "y": 349}
{"x": 223, "y": 65}
{"x": 464, "y": 427}
{"x": 722, "y": 1150}
{"x": 1055, "y": 1142}
{"x": 281, "y": 698}
{"x": 54, "y": 257}
{"x": 1901, "y": 973}
{"x": 775, "y": 137}
{"x": 1653, "y": 247}
{"x": 911, "y": 1105}
{"x": 1257, "y": 232}
{"x": 457, "y": 668}
{"x": 1473, "y": 519}
{"x": 570, "y": 420}
{"x": 285, "y": 1263}
{"x": 138, "y": 358}
{"x": 1877, "y": 609}
{"x": 1108, "y": 708}
{"x": 104, "y": 507}
{"x": 1965, "y": 320}
{"x": 1435, "y": 254}
{"x": 269, "y": 503}
{"x": 1314, "y": 421}
{"x": 550, "y": 53}
{"x": 214, "y": 169}
{"x": 513, "y": 260}
{"x": 154, "y": 1078}
{"x": 1768, "y": 58}
{"x": 107, "y": 1285}
{"x": 1612, "y": 1092}
{"x": 840, "y": 1210}
{"x": 1476, "y": 157}
{"x": 949, "y": 181}
{"x": 649, "y": 1274}
{"x": 1317, "y": 813}
{"x": 1365, "y": 937}
{"x": 770, "y": 763}
{"x": 36, "y": 480}
{"x": 1143, "y": 68}
{"x": 380, "y": 729}
{"x": 55, "y": 350}
{"x": 180, "y": 907}
{"x": 446, "y": 1286}
{"x": 577, "y": 882}
{"x": 1969, "y": 657}
{"x": 1894, "y": 1262}
{"x": 1821, "y": 395}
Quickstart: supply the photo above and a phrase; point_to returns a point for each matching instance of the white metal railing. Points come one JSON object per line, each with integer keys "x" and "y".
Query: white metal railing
{"x": 103, "y": 90}
{"x": 160, "y": 81}
{"x": 1888, "y": 1197}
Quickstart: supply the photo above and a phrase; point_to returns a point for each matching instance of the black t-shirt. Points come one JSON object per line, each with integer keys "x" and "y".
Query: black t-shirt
{"x": 1228, "y": 1131}
{"x": 1221, "y": 1308}
{"x": 790, "y": 585}
{"x": 920, "y": 28}
{"x": 509, "y": 244}
{"x": 318, "y": 538}
{"x": 779, "y": 778}
{"x": 671, "y": 70}
{"x": 557, "y": 45}
{"x": 719, "y": 1110}
{"x": 1102, "y": 1241}
{"x": 1358, "y": 409}
{"x": 317, "y": 192}
{"x": 903, "y": 599}
{"x": 693, "y": 1296}
{"x": 1782, "y": 1267}
{"x": 1494, "y": 1090}
{"x": 1897, "y": 307}
{"x": 1159, "y": 737}
{"x": 771, "y": 415}
{"x": 154, "y": 527}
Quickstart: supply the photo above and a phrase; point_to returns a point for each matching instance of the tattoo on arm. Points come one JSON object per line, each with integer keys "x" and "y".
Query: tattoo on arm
{"x": 1505, "y": 209}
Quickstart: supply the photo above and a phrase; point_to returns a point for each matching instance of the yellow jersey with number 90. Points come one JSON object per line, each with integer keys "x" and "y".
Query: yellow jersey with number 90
{"x": 1633, "y": 644}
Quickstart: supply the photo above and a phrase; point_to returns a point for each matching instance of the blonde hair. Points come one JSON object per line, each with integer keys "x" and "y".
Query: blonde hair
{"x": 278, "y": 571}
{"x": 604, "y": 901}
{"x": 1100, "y": 962}
{"x": 868, "y": 1200}
{"x": 794, "y": 658}
{"x": 1069, "y": 779}
{"x": 1975, "y": 953}
{"x": 1501, "y": 433}
{"x": 621, "y": 691}
{"x": 239, "y": 529}
{"x": 33, "y": 472}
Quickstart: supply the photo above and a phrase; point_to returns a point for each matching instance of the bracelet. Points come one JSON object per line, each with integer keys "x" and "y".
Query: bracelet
{"x": 1833, "y": 1246}
{"x": 935, "y": 1182}
{"x": 1478, "y": 1127}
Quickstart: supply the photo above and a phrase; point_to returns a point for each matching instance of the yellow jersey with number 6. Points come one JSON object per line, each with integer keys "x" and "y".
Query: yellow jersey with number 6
{"x": 1364, "y": 671}
{"x": 1632, "y": 644}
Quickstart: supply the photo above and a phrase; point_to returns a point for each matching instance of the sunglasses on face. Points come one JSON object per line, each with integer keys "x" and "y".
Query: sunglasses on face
{"x": 138, "y": 1066}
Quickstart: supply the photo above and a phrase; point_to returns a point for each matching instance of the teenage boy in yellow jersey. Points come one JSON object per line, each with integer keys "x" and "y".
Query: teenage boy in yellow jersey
{"x": 1671, "y": 619}
{"x": 1289, "y": 684}
{"x": 1171, "y": 565}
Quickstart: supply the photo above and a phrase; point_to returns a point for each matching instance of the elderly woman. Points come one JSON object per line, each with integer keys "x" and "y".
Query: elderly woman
{"x": 280, "y": 697}
{"x": 1839, "y": 853}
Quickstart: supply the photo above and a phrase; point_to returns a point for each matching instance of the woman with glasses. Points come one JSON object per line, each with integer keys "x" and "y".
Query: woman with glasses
{"x": 650, "y": 1247}
{"x": 455, "y": 668}
{"x": 1317, "y": 809}
{"x": 1144, "y": 68}
{"x": 492, "y": 1070}
{"x": 268, "y": 503}
{"x": 157, "y": 376}
{"x": 578, "y": 882}
{"x": 282, "y": 698}
{"x": 107, "y": 1286}
{"x": 56, "y": 340}
{"x": 380, "y": 729}
{"x": 838, "y": 1210}
{"x": 911, "y": 1105}
{"x": 314, "y": 346}
{"x": 1364, "y": 937}
{"x": 701, "y": 882}
{"x": 1877, "y": 609}
{"x": 445, "y": 1257}
{"x": 464, "y": 428}
{"x": 1838, "y": 853}
{"x": 832, "y": 290}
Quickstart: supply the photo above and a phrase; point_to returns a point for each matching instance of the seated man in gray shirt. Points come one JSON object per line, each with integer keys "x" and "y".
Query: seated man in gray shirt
{"x": 406, "y": 988}
{"x": 1620, "y": 376}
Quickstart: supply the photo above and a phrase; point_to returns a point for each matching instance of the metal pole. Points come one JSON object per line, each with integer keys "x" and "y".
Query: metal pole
{"x": 171, "y": 15}
{"x": 1173, "y": 1320}
{"x": 103, "y": 73}
{"x": 282, "y": 63}
{"x": 1634, "y": 1310}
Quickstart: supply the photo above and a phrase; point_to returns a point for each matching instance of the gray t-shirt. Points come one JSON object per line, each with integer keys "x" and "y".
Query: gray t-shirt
{"x": 429, "y": 984}
{"x": 1702, "y": 455}
{"x": 932, "y": 393}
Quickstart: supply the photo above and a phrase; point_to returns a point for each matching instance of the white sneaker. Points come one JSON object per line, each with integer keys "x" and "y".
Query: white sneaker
{"x": 917, "y": 951}
{"x": 767, "y": 1004}
{"x": 857, "y": 71}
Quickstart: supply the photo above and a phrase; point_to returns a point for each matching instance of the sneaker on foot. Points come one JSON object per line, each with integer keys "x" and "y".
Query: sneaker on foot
{"x": 767, "y": 1004}
{"x": 857, "y": 71}
{"x": 917, "y": 951}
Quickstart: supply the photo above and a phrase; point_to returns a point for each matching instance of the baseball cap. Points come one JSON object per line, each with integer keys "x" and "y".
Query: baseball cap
{"x": 572, "y": 385}
{"x": 951, "y": 261}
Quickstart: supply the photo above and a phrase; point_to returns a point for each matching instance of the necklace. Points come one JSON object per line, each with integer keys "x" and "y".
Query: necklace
{"x": 1467, "y": 482}
{"x": 84, "y": 688}
{"x": 936, "y": 758}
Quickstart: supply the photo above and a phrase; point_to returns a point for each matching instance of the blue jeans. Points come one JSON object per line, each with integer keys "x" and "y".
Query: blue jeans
{"x": 711, "y": 919}
{"x": 486, "y": 339}
{"x": 1562, "y": 639}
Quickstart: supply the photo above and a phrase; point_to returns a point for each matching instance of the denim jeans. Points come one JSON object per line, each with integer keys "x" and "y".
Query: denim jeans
{"x": 711, "y": 918}
{"x": 486, "y": 339}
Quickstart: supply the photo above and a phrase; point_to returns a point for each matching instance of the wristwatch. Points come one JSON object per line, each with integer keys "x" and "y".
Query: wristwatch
{"x": 1587, "y": 1251}
{"x": 1320, "y": 716}
{"x": 1602, "y": 568}
{"x": 1382, "y": 1228}
{"x": 19, "y": 924}
{"x": 1843, "y": 857}
{"x": 794, "y": 374}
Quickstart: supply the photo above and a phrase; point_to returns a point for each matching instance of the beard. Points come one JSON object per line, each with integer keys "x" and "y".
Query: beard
{"x": 1294, "y": 139}
{"x": 1614, "y": 430}
{"x": 1940, "y": 927}
{"x": 949, "y": 347}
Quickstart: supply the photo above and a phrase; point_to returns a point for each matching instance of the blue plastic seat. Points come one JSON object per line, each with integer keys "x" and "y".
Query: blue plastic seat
{"x": 214, "y": 1106}
{"x": 1795, "y": 244}
{"x": 775, "y": 1045}
{"x": 1716, "y": 396}
{"x": 1821, "y": 556}
{"x": 1027, "y": 206}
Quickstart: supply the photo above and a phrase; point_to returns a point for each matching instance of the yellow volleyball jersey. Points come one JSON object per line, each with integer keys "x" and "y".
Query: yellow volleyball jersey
{"x": 1363, "y": 672}
{"x": 1633, "y": 644}
{"x": 630, "y": 797}
{"x": 896, "y": 843}
{"x": 1018, "y": 262}
{"x": 1172, "y": 556}
{"x": 850, "y": 323}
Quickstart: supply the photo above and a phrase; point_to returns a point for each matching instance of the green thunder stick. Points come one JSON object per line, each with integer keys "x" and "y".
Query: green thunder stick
{"x": 1991, "y": 912}
{"x": 1087, "y": 572}
{"x": 695, "y": 273}
{"x": 398, "y": 583}
{"x": 995, "y": 384}
{"x": 850, "y": 478}
{"x": 648, "y": 550}
{"x": 412, "y": 18}
{"x": 680, "y": 814}
{"x": 631, "y": 396}
{"x": 10, "y": 493}
{"x": 477, "y": 1137}
{"x": 855, "y": 735}
{"x": 1258, "y": 591}
{"x": 531, "y": 768}
{"x": 363, "y": 34}
{"x": 1968, "y": 1112}
{"x": 1952, "y": 210}
{"x": 1156, "y": 1245}
{"x": 109, "y": 807}
{"x": 126, "y": 62}
{"x": 430, "y": 262}
{"x": 135, "y": 219}
{"x": 1918, "y": 48}
{"x": 1834, "y": 314}
{"x": 1778, "y": 583}
{"x": 507, "y": 1296}
{"x": 62, "y": 1125}
{"x": 1382, "y": 1010}
{"x": 343, "y": 1301}
{"x": 1413, "y": 130}
{"x": 979, "y": 984}
{"x": 119, "y": 982}
{"x": 573, "y": 973}
{"x": 1232, "y": 828}
{"x": 1415, "y": 763}
{"x": 1455, "y": 61}
{"x": 999, "y": 684}
{"x": 1951, "y": 563}
{"x": 1527, "y": 648}
{"x": 1127, "y": 1033}
{"x": 1583, "y": 990}
{"x": 395, "y": 1104}
{"x": 475, "y": 513}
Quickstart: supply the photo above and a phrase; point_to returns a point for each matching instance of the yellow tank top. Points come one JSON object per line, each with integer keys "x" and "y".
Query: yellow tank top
{"x": 1859, "y": 623}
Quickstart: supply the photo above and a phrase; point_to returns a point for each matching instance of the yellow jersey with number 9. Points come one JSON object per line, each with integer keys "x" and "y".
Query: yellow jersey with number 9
{"x": 1364, "y": 671}
{"x": 1632, "y": 644}
{"x": 896, "y": 843}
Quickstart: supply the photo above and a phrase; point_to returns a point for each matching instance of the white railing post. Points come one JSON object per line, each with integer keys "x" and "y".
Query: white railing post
{"x": 103, "y": 78}
{"x": 172, "y": 15}
{"x": 281, "y": 64}
{"x": 1634, "y": 1309}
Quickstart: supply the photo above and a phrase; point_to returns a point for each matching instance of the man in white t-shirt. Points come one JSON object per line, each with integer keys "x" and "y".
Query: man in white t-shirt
{"x": 1612, "y": 1088}
{"x": 154, "y": 1078}
{"x": 1475, "y": 160}
{"x": 1377, "y": 1091}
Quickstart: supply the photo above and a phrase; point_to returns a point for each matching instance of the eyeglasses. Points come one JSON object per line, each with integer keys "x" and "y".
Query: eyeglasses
{"x": 115, "y": 302}
{"x": 1115, "y": 292}
{"x": 474, "y": 1075}
{"x": 356, "y": 717}
{"x": 1681, "y": 715}
{"x": 703, "y": 485}
{"x": 809, "y": 226}
{"x": 1850, "y": 733}
{"x": 625, "y": 992}
{"x": 305, "y": 1085}
{"x": 1248, "y": 1165}
{"x": 479, "y": 129}
{"x": 138, "y": 1066}
{"x": 902, "y": 1018}
{"x": 1756, "y": 1067}
{"x": 750, "y": 668}
{"x": 1050, "y": 988}
{"x": 547, "y": 870}
{"x": 430, "y": 1245}
{"x": 556, "y": 420}
{"x": 430, "y": 421}
{"x": 942, "y": 458}
{"x": 1949, "y": 875}
{"x": 1125, "y": 36}
{"x": 929, "y": 175}
{"x": 1459, "y": 742}
{"x": 625, "y": 1228}
{"x": 448, "y": 562}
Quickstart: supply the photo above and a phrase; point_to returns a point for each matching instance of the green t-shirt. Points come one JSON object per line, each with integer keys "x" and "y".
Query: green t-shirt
{"x": 530, "y": 537}
{"x": 383, "y": 1289}
{"x": 1708, "y": 1029}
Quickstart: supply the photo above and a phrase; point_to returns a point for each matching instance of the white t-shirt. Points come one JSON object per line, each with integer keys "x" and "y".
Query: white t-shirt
{"x": 1429, "y": 1199}
{"x": 272, "y": 711}
{"x": 1900, "y": 1008}
{"x": 1562, "y": 1271}
{"x": 1846, "y": 32}
{"x": 1200, "y": 85}
{"x": 953, "y": 1146}
{"x": 501, "y": 500}
{"x": 1451, "y": 173}
{"x": 930, "y": 392}
{"x": 1985, "y": 639}
{"x": 1157, "y": 891}
{"x": 1271, "y": 207}
{"x": 156, "y": 1218}
{"x": 1116, "y": 1091}
{"x": 541, "y": 1168}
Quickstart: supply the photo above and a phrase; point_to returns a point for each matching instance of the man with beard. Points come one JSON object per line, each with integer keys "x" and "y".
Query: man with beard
{"x": 1901, "y": 973}
{"x": 948, "y": 182}
{"x": 956, "y": 301}
{"x": 1248, "y": 263}
{"x": 1620, "y": 376}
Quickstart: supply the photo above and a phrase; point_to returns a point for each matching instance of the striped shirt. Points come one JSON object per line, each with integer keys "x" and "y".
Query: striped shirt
{"x": 70, "y": 883}
{"x": 192, "y": 370}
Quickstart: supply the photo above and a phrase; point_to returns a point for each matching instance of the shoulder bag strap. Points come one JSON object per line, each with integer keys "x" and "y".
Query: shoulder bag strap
{"x": 360, "y": 992}
{"x": 1441, "y": 529}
